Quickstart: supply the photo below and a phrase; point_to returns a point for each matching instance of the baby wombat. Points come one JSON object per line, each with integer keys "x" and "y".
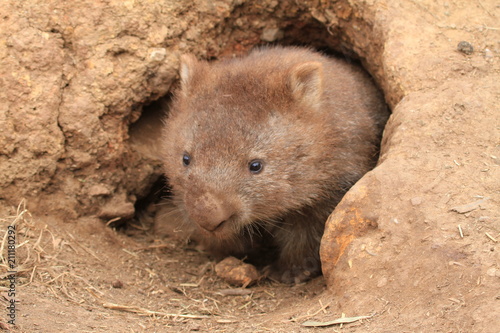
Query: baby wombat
{"x": 259, "y": 150}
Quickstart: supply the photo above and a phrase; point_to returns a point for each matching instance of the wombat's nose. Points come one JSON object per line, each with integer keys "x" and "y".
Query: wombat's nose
{"x": 210, "y": 212}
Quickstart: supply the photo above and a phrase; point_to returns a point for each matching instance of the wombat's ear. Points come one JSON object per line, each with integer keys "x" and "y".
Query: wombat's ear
{"x": 190, "y": 69}
{"x": 306, "y": 82}
{"x": 188, "y": 63}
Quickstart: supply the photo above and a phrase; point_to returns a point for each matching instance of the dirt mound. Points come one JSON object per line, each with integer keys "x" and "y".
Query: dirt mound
{"x": 413, "y": 245}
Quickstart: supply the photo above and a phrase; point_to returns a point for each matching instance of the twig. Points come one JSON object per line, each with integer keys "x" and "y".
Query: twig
{"x": 83, "y": 247}
{"x": 113, "y": 220}
{"x": 311, "y": 315}
{"x": 234, "y": 292}
{"x": 141, "y": 311}
{"x": 344, "y": 320}
{"x": 491, "y": 237}
{"x": 130, "y": 252}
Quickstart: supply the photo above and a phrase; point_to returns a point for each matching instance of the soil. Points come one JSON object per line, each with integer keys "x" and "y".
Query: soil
{"x": 412, "y": 247}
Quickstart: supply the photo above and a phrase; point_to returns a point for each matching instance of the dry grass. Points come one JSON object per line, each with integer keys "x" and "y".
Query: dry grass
{"x": 68, "y": 268}
{"x": 37, "y": 258}
{"x": 26, "y": 251}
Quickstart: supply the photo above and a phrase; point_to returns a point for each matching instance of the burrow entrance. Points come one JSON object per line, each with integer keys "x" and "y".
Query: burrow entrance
{"x": 154, "y": 209}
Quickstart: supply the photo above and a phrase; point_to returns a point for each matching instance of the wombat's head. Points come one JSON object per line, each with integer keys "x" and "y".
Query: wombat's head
{"x": 243, "y": 143}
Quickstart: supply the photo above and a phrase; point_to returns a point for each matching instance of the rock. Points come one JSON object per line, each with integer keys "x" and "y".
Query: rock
{"x": 99, "y": 189}
{"x": 236, "y": 272}
{"x": 118, "y": 207}
{"x": 271, "y": 34}
{"x": 465, "y": 47}
{"x": 415, "y": 201}
{"x": 117, "y": 284}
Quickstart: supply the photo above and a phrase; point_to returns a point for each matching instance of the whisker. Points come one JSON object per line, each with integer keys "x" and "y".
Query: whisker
{"x": 249, "y": 231}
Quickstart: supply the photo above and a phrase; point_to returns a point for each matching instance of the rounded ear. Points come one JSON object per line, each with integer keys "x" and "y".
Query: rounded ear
{"x": 306, "y": 82}
{"x": 188, "y": 67}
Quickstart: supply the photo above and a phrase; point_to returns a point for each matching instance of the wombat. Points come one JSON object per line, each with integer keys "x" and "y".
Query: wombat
{"x": 259, "y": 150}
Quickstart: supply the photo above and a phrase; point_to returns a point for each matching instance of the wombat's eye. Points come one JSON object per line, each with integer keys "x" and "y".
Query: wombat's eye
{"x": 186, "y": 159}
{"x": 255, "y": 166}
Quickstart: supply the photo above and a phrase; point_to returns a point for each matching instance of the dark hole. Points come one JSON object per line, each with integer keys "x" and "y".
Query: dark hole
{"x": 144, "y": 134}
{"x": 160, "y": 190}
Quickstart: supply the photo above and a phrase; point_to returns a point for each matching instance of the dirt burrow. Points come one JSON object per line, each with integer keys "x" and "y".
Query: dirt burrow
{"x": 78, "y": 143}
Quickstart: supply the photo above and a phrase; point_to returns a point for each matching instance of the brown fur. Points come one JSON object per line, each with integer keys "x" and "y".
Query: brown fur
{"x": 314, "y": 121}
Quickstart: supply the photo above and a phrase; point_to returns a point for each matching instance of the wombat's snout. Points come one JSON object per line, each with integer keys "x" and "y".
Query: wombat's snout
{"x": 209, "y": 211}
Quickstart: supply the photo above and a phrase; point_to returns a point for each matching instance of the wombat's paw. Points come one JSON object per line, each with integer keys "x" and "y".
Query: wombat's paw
{"x": 293, "y": 275}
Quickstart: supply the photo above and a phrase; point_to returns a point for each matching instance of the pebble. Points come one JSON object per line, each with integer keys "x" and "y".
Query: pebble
{"x": 416, "y": 201}
{"x": 236, "y": 272}
{"x": 271, "y": 34}
{"x": 488, "y": 53}
{"x": 382, "y": 282}
{"x": 117, "y": 284}
{"x": 158, "y": 54}
{"x": 493, "y": 272}
{"x": 465, "y": 47}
